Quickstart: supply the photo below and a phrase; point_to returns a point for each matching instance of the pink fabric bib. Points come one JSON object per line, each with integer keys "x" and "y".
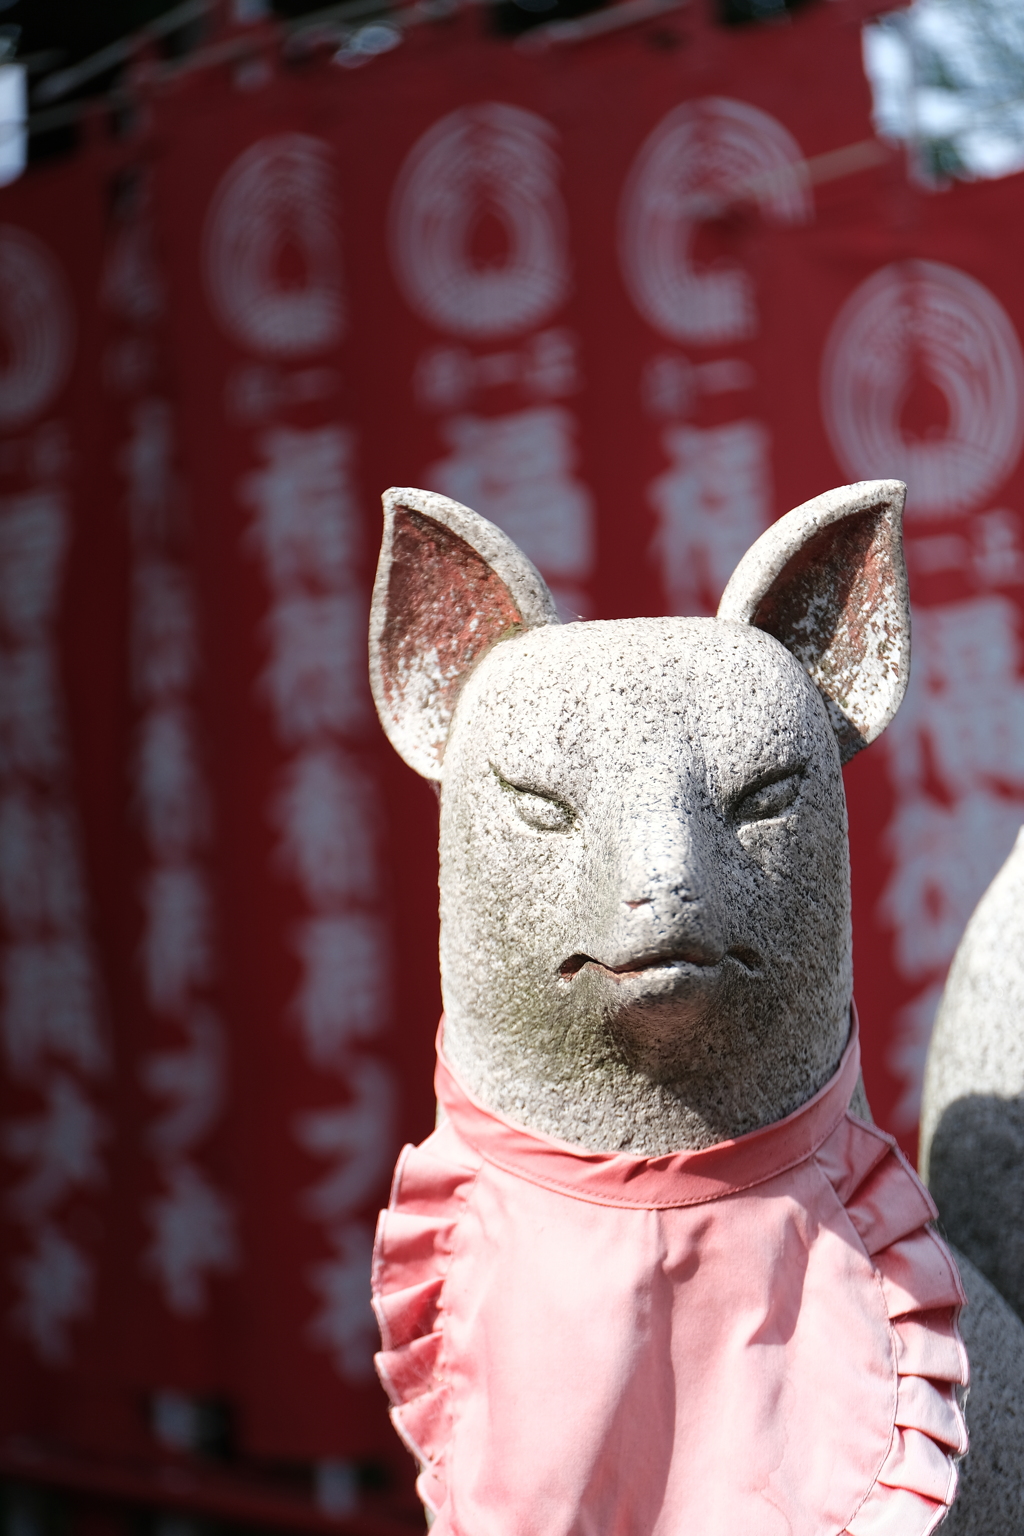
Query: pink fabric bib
{"x": 758, "y": 1339}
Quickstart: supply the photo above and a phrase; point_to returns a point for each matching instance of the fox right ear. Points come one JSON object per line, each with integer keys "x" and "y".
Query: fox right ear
{"x": 828, "y": 580}
{"x": 449, "y": 586}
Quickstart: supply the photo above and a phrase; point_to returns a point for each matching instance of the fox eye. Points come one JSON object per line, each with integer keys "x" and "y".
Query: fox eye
{"x": 768, "y": 800}
{"x": 543, "y": 812}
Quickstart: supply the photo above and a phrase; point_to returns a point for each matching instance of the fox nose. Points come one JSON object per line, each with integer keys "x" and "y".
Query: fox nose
{"x": 661, "y": 896}
{"x": 666, "y": 860}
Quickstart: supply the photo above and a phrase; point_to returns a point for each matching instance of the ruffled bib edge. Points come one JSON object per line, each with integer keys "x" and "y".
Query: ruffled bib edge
{"x": 411, "y": 1254}
{"x": 892, "y": 1214}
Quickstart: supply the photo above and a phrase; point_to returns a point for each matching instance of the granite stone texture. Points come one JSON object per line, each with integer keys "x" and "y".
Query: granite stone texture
{"x": 991, "y": 1497}
{"x": 972, "y": 1115}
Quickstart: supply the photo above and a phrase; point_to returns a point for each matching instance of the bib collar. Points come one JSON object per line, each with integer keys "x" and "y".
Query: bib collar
{"x": 673, "y": 1179}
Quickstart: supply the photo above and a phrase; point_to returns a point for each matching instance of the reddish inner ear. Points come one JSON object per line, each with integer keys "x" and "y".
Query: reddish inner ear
{"x": 445, "y": 608}
{"x": 831, "y": 581}
{"x": 825, "y": 601}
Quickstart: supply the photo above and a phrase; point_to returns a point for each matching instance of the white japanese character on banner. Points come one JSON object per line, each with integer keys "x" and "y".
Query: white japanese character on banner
{"x": 943, "y": 858}
{"x": 344, "y": 991}
{"x": 170, "y": 789}
{"x": 190, "y": 1081}
{"x": 60, "y": 1149}
{"x": 345, "y": 1324}
{"x": 305, "y": 529}
{"x": 357, "y": 1137}
{"x": 326, "y": 812}
{"x": 31, "y": 724}
{"x": 50, "y": 1005}
{"x": 54, "y": 1282}
{"x": 518, "y": 470}
{"x": 147, "y": 463}
{"x": 996, "y": 556}
{"x": 164, "y": 640}
{"x": 964, "y": 710}
{"x": 193, "y": 1237}
{"x": 133, "y": 285}
{"x": 712, "y": 504}
{"x": 315, "y": 675}
{"x": 306, "y": 525}
{"x": 956, "y": 760}
{"x": 908, "y": 1050}
{"x": 33, "y": 536}
{"x": 40, "y": 880}
{"x": 177, "y": 950}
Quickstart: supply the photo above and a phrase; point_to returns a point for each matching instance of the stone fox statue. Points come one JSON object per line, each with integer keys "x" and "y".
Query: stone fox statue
{"x": 972, "y": 1154}
{"x": 656, "y": 1272}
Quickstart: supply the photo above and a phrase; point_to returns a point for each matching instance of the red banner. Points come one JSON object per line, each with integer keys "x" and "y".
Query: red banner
{"x": 61, "y": 759}
{"x": 910, "y": 331}
{"x": 176, "y": 1065}
{"x": 329, "y": 971}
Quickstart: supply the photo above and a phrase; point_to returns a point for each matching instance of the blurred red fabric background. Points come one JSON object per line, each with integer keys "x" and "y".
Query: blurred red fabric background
{"x": 631, "y": 298}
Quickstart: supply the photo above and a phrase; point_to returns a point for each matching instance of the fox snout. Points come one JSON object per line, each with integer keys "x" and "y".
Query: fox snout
{"x": 658, "y": 899}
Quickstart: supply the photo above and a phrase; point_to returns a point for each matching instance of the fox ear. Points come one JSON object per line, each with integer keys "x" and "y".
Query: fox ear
{"x": 449, "y": 586}
{"x": 828, "y": 580}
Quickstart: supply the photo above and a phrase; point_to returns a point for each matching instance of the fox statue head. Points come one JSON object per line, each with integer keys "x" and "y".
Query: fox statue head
{"x": 644, "y": 871}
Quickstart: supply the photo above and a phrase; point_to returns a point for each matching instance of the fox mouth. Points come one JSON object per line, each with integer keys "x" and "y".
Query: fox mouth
{"x": 681, "y": 961}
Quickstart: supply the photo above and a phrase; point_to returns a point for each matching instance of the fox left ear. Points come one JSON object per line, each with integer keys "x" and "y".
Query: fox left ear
{"x": 829, "y": 581}
{"x": 449, "y": 586}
